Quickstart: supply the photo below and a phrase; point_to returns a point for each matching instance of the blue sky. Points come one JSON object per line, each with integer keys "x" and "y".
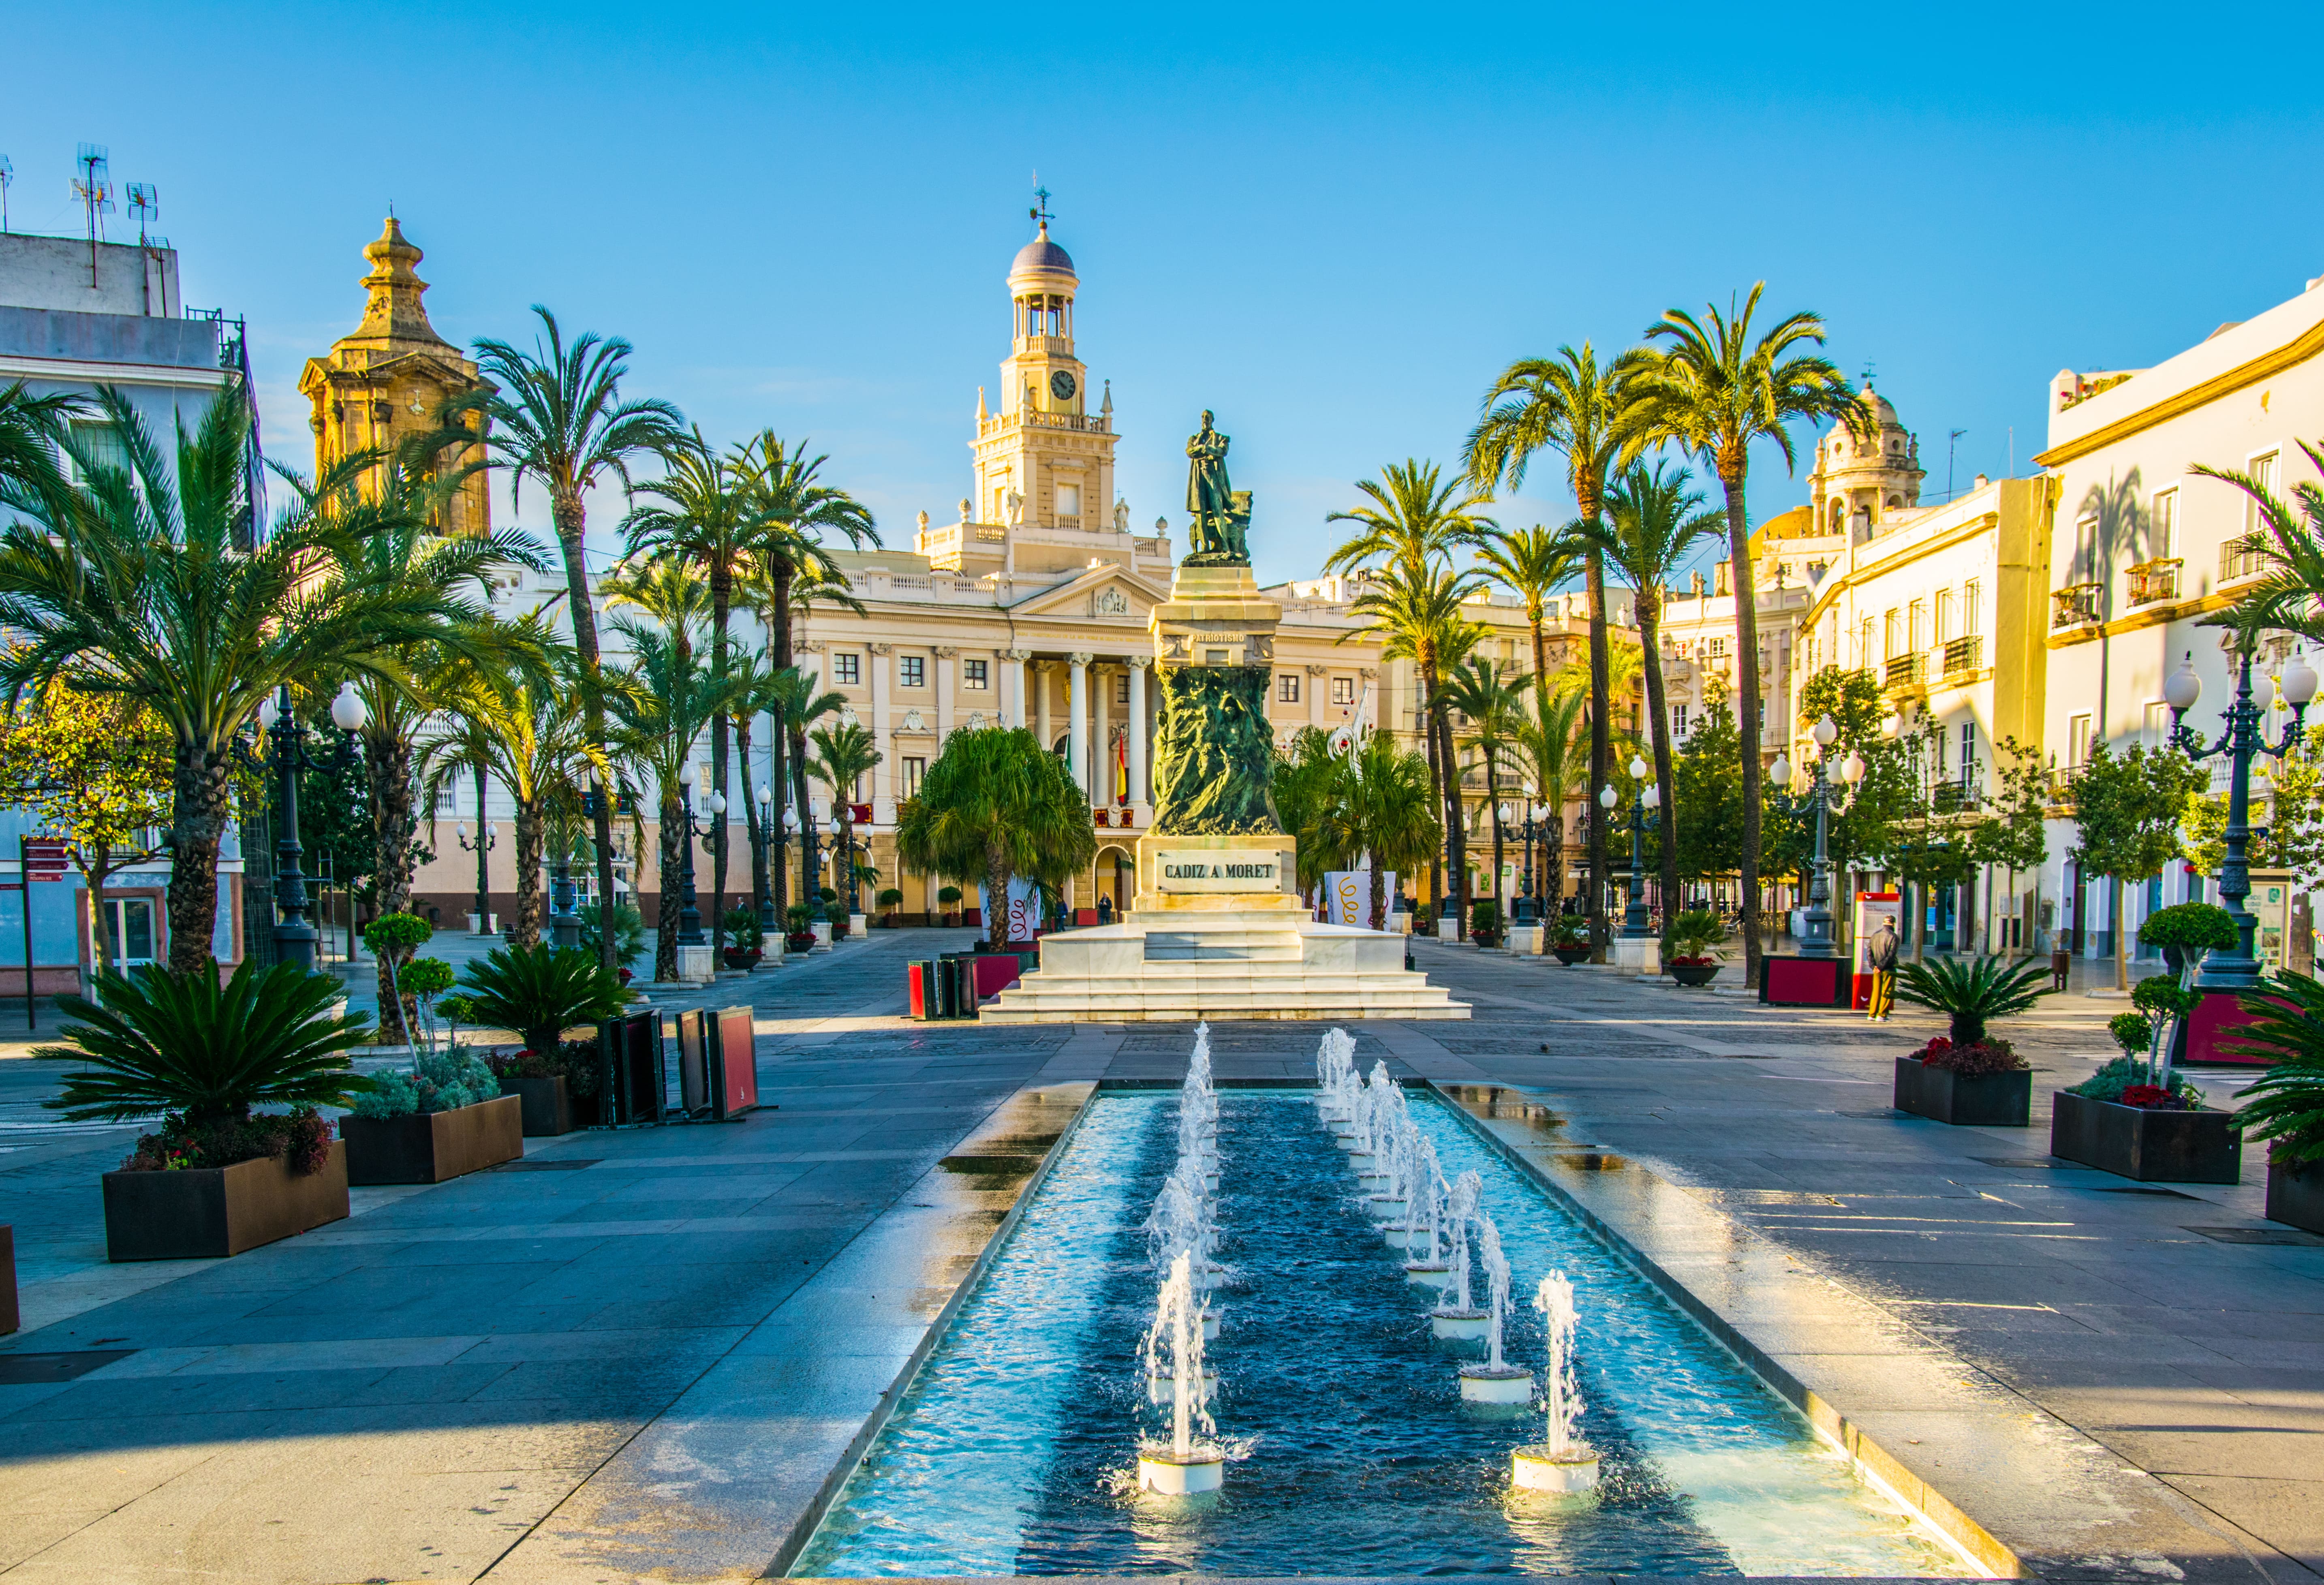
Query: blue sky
{"x": 1334, "y": 226}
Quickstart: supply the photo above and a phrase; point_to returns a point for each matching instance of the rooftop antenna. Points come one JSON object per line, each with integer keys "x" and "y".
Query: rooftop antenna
{"x": 7, "y": 175}
{"x": 1040, "y": 209}
{"x": 1952, "y": 442}
{"x": 94, "y": 187}
{"x": 145, "y": 203}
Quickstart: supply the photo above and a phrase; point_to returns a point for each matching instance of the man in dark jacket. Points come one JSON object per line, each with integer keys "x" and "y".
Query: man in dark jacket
{"x": 1882, "y": 949}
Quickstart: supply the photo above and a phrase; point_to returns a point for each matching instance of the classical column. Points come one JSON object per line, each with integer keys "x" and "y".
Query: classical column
{"x": 1019, "y": 715}
{"x": 1041, "y": 691}
{"x": 1077, "y": 717}
{"x": 944, "y": 662}
{"x": 882, "y": 792}
{"x": 1315, "y": 671}
{"x": 1101, "y": 760}
{"x": 1138, "y": 665}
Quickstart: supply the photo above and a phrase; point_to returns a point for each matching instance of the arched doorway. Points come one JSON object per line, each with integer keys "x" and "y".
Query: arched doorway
{"x": 1114, "y": 875}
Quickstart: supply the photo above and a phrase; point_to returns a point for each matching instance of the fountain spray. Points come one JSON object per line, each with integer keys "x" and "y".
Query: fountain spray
{"x": 1187, "y": 1465}
{"x": 1424, "y": 1213}
{"x": 1560, "y": 1462}
{"x": 1334, "y": 1058}
{"x": 1456, "y": 1320}
{"x": 1495, "y": 1381}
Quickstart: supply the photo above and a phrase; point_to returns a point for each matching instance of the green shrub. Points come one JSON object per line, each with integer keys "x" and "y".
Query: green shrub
{"x": 2134, "y": 1032}
{"x": 629, "y": 933}
{"x": 1692, "y": 935}
{"x": 1972, "y": 994}
{"x": 540, "y": 992}
{"x": 1570, "y": 930}
{"x": 946, "y": 896}
{"x": 170, "y": 1043}
{"x": 2161, "y": 993}
{"x": 824, "y": 895}
{"x": 397, "y": 933}
{"x": 439, "y": 1082}
{"x": 1484, "y": 914}
{"x": 2125, "y": 1072}
{"x": 743, "y": 927}
{"x": 891, "y": 897}
{"x": 2288, "y": 1104}
{"x": 800, "y": 918}
{"x": 2190, "y": 927}
{"x": 425, "y": 977}
{"x": 834, "y": 911}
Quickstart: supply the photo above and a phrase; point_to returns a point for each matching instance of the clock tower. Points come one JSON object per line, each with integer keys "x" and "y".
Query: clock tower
{"x": 1045, "y": 460}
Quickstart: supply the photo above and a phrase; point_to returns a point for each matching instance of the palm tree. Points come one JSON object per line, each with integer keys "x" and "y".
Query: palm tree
{"x": 1409, "y": 531}
{"x": 141, "y": 589}
{"x": 703, "y": 514}
{"x": 751, "y": 675}
{"x": 1533, "y": 564}
{"x": 1495, "y": 711}
{"x": 558, "y": 418}
{"x": 1713, "y": 389}
{"x": 1550, "y": 742}
{"x": 997, "y": 805}
{"x": 1568, "y": 404}
{"x": 1308, "y": 794}
{"x": 1657, "y": 520}
{"x": 31, "y": 430}
{"x": 796, "y": 704}
{"x": 843, "y": 756}
{"x": 1419, "y": 619}
{"x": 1389, "y": 812}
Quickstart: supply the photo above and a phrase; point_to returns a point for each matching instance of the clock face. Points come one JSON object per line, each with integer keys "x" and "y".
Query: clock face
{"x": 1061, "y": 385}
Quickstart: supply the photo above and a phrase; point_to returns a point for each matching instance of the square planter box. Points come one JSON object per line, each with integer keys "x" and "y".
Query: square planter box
{"x": 548, "y": 1105}
{"x": 1992, "y": 1100}
{"x": 2295, "y": 1196}
{"x": 428, "y": 1148}
{"x": 207, "y": 1213}
{"x": 2152, "y": 1146}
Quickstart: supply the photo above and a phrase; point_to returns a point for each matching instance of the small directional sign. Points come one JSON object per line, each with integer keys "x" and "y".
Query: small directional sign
{"x": 46, "y": 859}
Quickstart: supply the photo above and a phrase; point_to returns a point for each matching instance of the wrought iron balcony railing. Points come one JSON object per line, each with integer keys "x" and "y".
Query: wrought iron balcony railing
{"x": 2154, "y": 580}
{"x": 1963, "y": 654}
{"x": 2075, "y": 605}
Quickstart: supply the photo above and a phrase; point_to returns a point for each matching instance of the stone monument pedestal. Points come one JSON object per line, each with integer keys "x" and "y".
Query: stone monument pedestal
{"x": 1641, "y": 955}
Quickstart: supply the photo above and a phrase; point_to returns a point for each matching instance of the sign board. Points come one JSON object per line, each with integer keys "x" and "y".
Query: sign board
{"x": 1023, "y": 916}
{"x": 1348, "y": 897}
{"x": 46, "y": 859}
{"x": 1212, "y": 869}
{"x": 2270, "y": 900}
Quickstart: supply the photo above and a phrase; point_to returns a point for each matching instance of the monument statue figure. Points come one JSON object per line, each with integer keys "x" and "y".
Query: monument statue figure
{"x": 1219, "y": 535}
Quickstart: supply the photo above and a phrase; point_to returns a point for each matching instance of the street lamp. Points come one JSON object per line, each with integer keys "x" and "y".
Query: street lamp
{"x": 689, "y": 915}
{"x": 1533, "y": 826}
{"x": 1815, "y": 921}
{"x": 294, "y": 933}
{"x": 1635, "y": 924}
{"x": 2237, "y": 969}
{"x": 487, "y": 839}
{"x": 766, "y": 859}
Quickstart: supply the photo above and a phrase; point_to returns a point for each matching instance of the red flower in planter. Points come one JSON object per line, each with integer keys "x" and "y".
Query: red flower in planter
{"x": 2152, "y": 1098}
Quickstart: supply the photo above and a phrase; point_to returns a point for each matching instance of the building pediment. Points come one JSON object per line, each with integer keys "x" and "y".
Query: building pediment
{"x": 1107, "y": 592}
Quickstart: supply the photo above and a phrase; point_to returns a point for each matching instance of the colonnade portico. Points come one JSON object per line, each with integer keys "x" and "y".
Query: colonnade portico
{"x": 1084, "y": 683}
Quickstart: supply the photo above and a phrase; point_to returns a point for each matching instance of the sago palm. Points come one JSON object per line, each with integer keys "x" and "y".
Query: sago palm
{"x": 142, "y": 589}
{"x": 557, "y": 419}
{"x": 1656, "y": 519}
{"x": 1714, "y": 387}
{"x": 1568, "y": 404}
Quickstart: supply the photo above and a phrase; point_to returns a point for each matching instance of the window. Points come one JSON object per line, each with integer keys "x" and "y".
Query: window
{"x": 847, "y": 670}
{"x": 913, "y": 671}
{"x": 101, "y": 445}
{"x": 977, "y": 675}
{"x": 914, "y": 770}
{"x": 1891, "y": 633}
{"x": 1678, "y": 721}
{"x": 1968, "y": 755}
{"x": 1917, "y": 627}
{"x": 2165, "y": 539}
{"x": 1971, "y": 596}
{"x": 1945, "y": 615}
{"x": 1343, "y": 690}
{"x": 1718, "y": 648}
{"x": 1864, "y": 647}
{"x": 1069, "y": 501}
{"x": 1287, "y": 687}
{"x": 2263, "y": 474}
{"x": 1122, "y": 688}
{"x": 2158, "y": 723}
{"x": 2078, "y": 741}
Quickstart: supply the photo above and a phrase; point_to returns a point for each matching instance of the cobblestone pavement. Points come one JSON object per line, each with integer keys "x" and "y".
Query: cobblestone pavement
{"x": 648, "y": 1358}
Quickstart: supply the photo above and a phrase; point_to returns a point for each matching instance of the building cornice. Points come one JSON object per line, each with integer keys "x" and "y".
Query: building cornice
{"x": 2298, "y": 350}
{"x": 69, "y": 369}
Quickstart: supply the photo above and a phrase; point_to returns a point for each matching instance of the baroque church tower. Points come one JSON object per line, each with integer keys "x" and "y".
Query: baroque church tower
{"x": 381, "y": 383}
{"x": 1044, "y": 461}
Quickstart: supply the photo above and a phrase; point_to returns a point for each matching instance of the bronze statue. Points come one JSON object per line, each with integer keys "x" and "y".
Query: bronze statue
{"x": 1220, "y": 513}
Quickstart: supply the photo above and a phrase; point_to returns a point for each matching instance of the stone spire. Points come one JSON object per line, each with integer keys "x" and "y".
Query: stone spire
{"x": 394, "y": 313}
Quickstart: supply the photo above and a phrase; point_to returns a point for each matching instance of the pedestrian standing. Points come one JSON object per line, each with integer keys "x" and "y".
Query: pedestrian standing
{"x": 1882, "y": 949}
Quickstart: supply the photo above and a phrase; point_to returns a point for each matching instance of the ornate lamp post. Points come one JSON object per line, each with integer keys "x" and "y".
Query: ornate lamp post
{"x": 1634, "y": 924}
{"x": 294, "y": 933}
{"x": 1535, "y": 824}
{"x": 487, "y": 839}
{"x": 1816, "y": 939}
{"x": 766, "y": 836}
{"x": 689, "y": 915}
{"x": 2243, "y": 738}
{"x": 564, "y": 923}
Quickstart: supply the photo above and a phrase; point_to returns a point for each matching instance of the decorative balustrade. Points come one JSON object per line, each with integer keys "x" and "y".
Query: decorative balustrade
{"x": 1962, "y": 654}
{"x": 2075, "y": 605}
{"x": 2154, "y": 580}
{"x": 1902, "y": 670}
{"x": 2244, "y": 558}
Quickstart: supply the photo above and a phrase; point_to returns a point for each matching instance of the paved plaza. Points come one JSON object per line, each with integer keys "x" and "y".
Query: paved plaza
{"x": 643, "y": 1354}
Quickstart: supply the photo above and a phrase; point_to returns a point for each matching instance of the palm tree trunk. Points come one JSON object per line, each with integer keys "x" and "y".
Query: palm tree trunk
{"x": 1601, "y": 747}
{"x": 1747, "y": 666}
{"x": 196, "y": 822}
{"x": 571, "y": 519}
{"x": 721, "y": 608}
{"x": 1650, "y": 627}
{"x": 1536, "y": 868}
{"x": 673, "y": 834}
{"x": 1493, "y": 802}
{"x": 1435, "y": 791}
{"x": 396, "y": 819}
{"x": 527, "y": 830}
{"x": 750, "y": 822}
{"x": 1456, "y": 831}
{"x": 806, "y": 817}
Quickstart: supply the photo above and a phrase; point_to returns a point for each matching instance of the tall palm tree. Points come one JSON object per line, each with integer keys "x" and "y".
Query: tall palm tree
{"x": 1308, "y": 797}
{"x": 1714, "y": 388}
{"x": 558, "y": 418}
{"x": 703, "y": 512}
{"x": 1657, "y": 520}
{"x": 136, "y": 584}
{"x": 843, "y": 756}
{"x": 1494, "y": 708}
{"x": 1418, "y": 618}
{"x": 1550, "y": 742}
{"x": 1409, "y": 531}
{"x": 1533, "y": 564}
{"x": 1568, "y": 404}
{"x": 796, "y": 700}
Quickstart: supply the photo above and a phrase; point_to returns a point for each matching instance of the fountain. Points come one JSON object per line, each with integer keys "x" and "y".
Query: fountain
{"x": 1424, "y": 1208}
{"x": 1562, "y": 1463}
{"x": 1184, "y": 1466}
{"x": 1455, "y": 1320}
{"x": 1495, "y": 1381}
{"x": 1335, "y": 1059}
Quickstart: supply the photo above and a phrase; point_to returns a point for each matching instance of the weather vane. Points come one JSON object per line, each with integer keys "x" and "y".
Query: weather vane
{"x": 1040, "y": 209}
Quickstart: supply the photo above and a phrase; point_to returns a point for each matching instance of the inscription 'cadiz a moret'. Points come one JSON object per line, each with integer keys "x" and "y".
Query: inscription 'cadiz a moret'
{"x": 1218, "y": 871}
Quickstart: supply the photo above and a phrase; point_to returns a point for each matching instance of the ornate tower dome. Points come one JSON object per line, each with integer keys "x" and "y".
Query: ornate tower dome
{"x": 1861, "y": 479}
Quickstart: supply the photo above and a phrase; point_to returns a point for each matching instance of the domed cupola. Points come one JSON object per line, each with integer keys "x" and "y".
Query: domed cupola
{"x": 1865, "y": 474}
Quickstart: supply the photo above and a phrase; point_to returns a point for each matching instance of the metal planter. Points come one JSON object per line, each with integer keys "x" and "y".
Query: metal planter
{"x": 430, "y": 1148}
{"x": 207, "y": 1213}
{"x": 1987, "y": 1101}
{"x": 2151, "y": 1147}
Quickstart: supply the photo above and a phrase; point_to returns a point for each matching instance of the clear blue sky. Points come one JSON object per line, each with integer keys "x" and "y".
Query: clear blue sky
{"x": 1333, "y": 224}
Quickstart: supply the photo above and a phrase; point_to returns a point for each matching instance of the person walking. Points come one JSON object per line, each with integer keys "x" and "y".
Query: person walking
{"x": 1882, "y": 949}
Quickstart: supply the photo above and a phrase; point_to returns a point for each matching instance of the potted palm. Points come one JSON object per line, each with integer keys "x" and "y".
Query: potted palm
{"x": 542, "y": 991}
{"x": 798, "y": 932}
{"x": 447, "y": 1117}
{"x": 1967, "y": 1076}
{"x": 2287, "y": 1104}
{"x": 948, "y": 900}
{"x": 745, "y": 939}
{"x": 629, "y": 935}
{"x": 1485, "y": 923}
{"x": 1686, "y": 953}
{"x": 217, "y": 1177}
{"x": 1570, "y": 939}
{"x": 891, "y": 899}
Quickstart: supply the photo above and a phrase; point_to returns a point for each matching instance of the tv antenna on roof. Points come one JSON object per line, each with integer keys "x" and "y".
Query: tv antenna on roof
{"x": 94, "y": 187}
{"x": 1952, "y": 444}
{"x": 1040, "y": 209}
{"x": 7, "y": 175}
{"x": 145, "y": 203}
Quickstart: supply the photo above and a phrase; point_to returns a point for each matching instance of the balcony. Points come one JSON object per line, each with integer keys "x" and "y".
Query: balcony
{"x": 1902, "y": 670}
{"x": 2075, "y": 605}
{"x": 2245, "y": 558}
{"x": 2154, "y": 580}
{"x": 1963, "y": 654}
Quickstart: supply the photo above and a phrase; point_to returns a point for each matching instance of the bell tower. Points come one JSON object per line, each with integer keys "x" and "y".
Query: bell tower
{"x": 1043, "y": 460}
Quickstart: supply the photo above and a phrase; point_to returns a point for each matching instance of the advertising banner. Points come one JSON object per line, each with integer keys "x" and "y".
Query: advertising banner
{"x": 1348, "y": 897}
{"x": 1024, "y": 914}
